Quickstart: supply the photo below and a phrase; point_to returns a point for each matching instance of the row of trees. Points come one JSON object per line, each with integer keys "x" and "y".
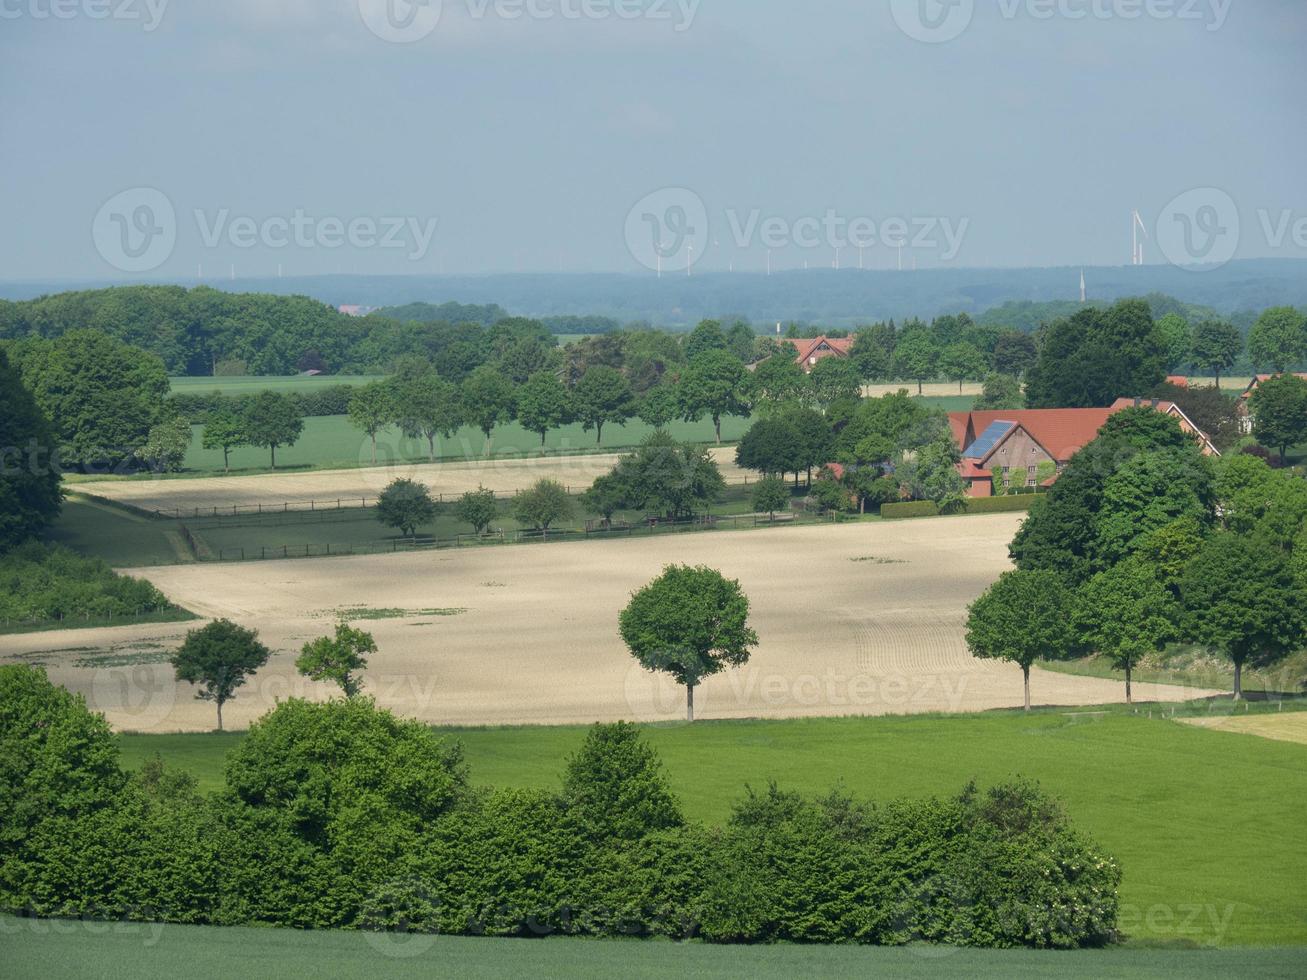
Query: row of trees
{"x": 1143, "y": 542}
{"x": 340, "y": 815}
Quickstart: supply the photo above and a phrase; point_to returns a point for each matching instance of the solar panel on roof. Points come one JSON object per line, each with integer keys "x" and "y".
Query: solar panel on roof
{"x": 987, "y": 440}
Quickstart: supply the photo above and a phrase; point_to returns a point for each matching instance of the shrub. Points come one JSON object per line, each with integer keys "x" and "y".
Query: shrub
{"x": 910, "y": 508}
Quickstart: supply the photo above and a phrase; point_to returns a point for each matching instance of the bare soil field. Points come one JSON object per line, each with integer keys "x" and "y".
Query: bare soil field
{"x": 352, "y": 486}
{"x": 853, "y": 619}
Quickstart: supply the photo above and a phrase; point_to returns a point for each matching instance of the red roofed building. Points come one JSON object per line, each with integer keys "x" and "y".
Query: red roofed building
{"x": 809, "y": 352}
{"x": 1039, "y": 442}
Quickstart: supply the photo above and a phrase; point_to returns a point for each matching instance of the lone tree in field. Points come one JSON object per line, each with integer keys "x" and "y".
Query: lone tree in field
{"x": 406, "y": 505}
{"x": 770, "y": 494}
{"x": 543, "y": 505}
{"x": 219, "y": 657}
{"x": 1024, "y": 617}
{"x": 1243, "y": 599}
{"x": 272, "y": 421}
{"x": 1126, "y": 613}
{"x": 339, "y": 659}
{"x": 691, "y": 623}
{"x": 478, "y": 508}
{"x": 487, "y": 399}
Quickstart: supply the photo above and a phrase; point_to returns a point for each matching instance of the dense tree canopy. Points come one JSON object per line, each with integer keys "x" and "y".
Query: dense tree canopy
{"x": 1097, "y": 356}
{"x": 1022, "y": 618}
{"x": 1065, "y": 531}
{"x": 30, "y": 494}
{"x": 102, "y": 396}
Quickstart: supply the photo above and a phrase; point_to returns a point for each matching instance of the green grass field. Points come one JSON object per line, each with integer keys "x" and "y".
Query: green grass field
{"x": 39, "y": 948}
{"x": 1208, "y": 825}
{"x": 253, "y": 385}
{"x": 330, "y": 442}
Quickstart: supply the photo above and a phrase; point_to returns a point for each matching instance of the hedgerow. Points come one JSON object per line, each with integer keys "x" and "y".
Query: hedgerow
{"x": 341, "y": 815}
{"x": 42, "y": 583}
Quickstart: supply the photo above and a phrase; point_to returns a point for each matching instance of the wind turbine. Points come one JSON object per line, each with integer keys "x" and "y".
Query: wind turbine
{"x": 1136, "y": 226}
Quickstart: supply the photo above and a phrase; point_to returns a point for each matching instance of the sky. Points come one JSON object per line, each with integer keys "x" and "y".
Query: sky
{"x": 171, "y": 139}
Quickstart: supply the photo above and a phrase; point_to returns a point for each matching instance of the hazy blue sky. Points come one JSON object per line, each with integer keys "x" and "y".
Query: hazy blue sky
{"x": 1027, "y": 139}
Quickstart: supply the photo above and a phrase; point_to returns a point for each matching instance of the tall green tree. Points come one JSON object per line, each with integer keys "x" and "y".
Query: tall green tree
{"x": 714, "y": 385}
{"x": 1097, "y": 356}
{"x": 1279, "y": 408}
{"x": 166, "y": 445}
{"x": 602, "y": 395}
{"x": 708, "y": 335}
{"x": 1216, "y": 346}
{"x": 102, "y": 396}
{"x": 272, "y": 421}
{"x": 915, "y": 357}
{"x": 770, "y": 495}
{"x": 659, "y": 407}
{"x": 225, "y": 429}
{"x": 690, "y": 623}
{"x": 1015, "y": 353}
{"x": 776, "y": 384}
{"x": 338, "y": 659}
{"x": 1147, "y": 492}
{"x": 370, "y": 409}
{"x": 30, "y": 482}
{"x": 771, "y": 448}
{"x": 219, "y": 658}
{"x": 1178, "y": 340}
{"x": 543, "y": 403}
{"x": 1278, "y": 339}
{"x": 961, "y": 362}
{"x": 1244, "y": 600}
{"x": 1126, "y": 614}
{"x": 1023, "y": 617}
{"x": 427, "y": 407}
{"x": 1062, "y": 532}
{"x": 487, "y": 400}
{"x": 835, "y": 379}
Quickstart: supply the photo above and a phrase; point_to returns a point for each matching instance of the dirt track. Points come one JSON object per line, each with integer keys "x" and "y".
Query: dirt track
{"x": 862, "y": 619}
{"x": 271, "y": 489}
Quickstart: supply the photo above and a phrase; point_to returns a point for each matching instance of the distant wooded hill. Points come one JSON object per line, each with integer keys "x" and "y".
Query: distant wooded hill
{"x": 843, "y": 298}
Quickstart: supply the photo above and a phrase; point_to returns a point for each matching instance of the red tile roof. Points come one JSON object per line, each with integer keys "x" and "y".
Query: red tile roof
{"x": 807, "y": 347}
{"x": 1061, "y": 431}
